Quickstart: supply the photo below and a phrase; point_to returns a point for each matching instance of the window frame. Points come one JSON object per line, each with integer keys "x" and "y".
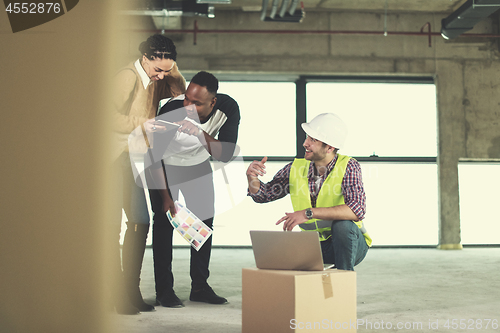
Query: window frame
{"x": 301, "y": 82}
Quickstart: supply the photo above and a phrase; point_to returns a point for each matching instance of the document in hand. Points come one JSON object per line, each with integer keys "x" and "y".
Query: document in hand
{"x": 190, "y": 227}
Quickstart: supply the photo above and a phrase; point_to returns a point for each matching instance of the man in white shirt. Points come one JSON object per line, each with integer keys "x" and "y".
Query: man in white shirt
{"x": 208, "y": 128}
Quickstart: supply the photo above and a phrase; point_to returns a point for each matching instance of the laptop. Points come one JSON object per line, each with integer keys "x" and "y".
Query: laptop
{"x": 288, "y": 250}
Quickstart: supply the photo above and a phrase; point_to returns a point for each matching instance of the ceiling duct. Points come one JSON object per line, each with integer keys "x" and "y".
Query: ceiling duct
{"x": 287, "y": 12}
{"x": 169, "y": 8}
{"x": 468, "y": 15}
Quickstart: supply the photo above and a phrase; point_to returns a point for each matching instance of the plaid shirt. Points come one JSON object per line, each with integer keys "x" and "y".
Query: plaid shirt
{"x": 352, "y": 186}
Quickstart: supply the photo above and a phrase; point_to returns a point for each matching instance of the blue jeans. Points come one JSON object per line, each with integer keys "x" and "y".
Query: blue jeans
{"x": 346, "y": 247}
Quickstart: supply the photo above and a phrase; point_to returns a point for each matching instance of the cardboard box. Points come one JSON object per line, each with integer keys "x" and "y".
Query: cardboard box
{"x": 285, "y": 301}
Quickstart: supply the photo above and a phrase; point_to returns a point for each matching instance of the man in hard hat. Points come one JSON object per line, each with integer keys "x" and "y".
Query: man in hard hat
{"x": 326, "y": 189}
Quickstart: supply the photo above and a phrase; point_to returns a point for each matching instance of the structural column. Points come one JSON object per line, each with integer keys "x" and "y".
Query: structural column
{"x": 451, "y": 146}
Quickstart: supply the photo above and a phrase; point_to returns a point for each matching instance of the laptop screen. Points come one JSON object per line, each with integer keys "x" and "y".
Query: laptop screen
{"x": 289, "y": 250}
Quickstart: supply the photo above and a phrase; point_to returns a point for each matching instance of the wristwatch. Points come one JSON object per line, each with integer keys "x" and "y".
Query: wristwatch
{"x": 309, "y": 213}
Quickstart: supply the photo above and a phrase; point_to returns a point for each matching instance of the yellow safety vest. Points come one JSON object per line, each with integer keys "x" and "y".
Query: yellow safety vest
{"x": 330, "y": 194}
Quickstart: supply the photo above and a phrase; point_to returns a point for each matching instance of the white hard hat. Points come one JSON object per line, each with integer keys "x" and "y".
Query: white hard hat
{"x": 327, "y": 128}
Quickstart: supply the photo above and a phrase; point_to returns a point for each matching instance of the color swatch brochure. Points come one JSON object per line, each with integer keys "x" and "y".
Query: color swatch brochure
{"x": 189, "y": 226}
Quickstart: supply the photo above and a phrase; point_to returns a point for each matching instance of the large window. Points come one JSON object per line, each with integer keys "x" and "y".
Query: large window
{"x": 267, "y": 126}
{"x": 392, "y": 132}
{"x": 395, "y": 121}
{"x": 401, "y": 203}
{"x": 478, "y": 184}
{"x": 384, "y": 119}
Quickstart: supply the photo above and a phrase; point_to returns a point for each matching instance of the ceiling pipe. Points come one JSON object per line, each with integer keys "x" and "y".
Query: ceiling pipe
{"x": 293, "y": 15}
{"x": 264, "y": 10}
{"x": 428, "y": 34}
{"x": 197, "y": 31}
{"x": 274, "y": 9}
{"x": 284, "y": 6}
{"x": 160, "y": 8}
{"x": 315, "y": 32}
{"x": 293, "y": 7}
{"x": 428, "y": 25}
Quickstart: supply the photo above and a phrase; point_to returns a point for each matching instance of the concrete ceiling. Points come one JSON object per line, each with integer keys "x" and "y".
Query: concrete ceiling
{"x": 433, "y": 6}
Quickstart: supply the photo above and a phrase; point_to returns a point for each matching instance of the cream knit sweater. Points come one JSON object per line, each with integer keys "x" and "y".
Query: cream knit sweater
{"x": 134, "y": 105}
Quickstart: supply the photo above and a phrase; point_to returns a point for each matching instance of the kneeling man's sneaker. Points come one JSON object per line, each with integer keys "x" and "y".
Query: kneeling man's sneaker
{"x": 207, "y": 295}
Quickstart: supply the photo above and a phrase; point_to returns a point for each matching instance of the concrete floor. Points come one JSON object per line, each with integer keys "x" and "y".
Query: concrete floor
{"x": 421, "y": 290}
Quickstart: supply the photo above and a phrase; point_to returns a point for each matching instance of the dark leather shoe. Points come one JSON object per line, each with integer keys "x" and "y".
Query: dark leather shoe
{"x": 206, "y": 295}
{"x": 169, "y": 300}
